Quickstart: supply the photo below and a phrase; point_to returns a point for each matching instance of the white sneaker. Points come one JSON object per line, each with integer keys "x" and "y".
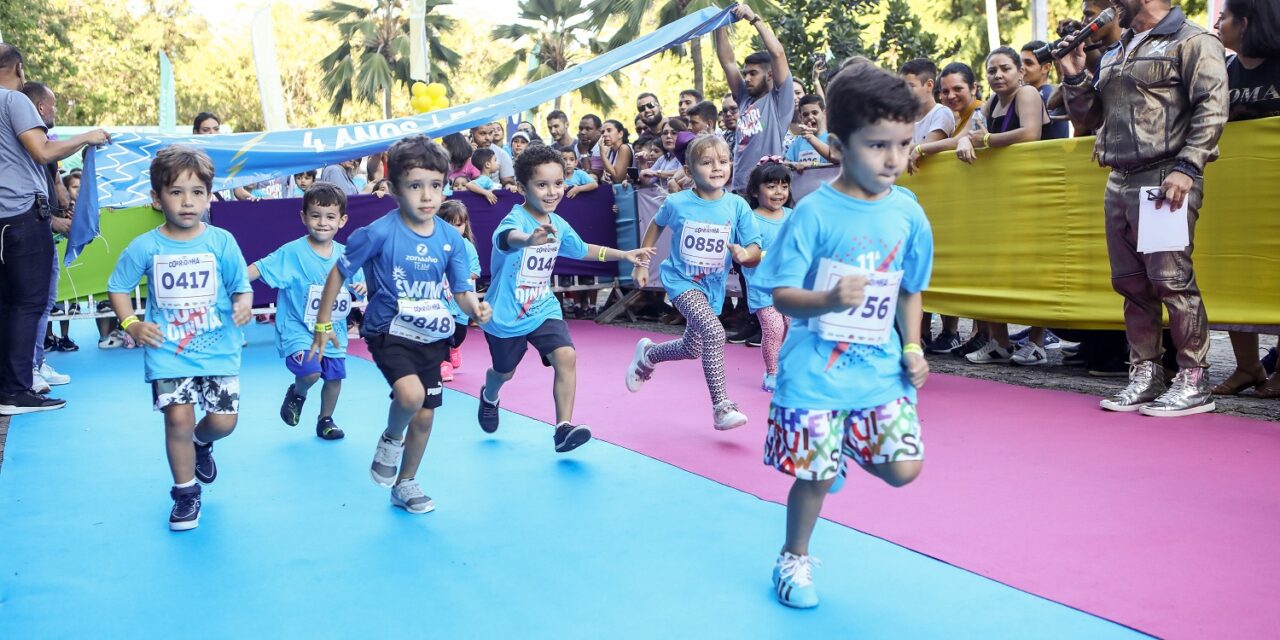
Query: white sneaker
{"x": 989, "y": 353}
{"x": 386, "y": 461}
{"x": 38, "y": 383}
{"x": 727, "y": 416}
{"x": 639, "y": 371}
{"x": 409, "y": 496}
{"x": 112, "y": 340}
{"x": 1030, "y": 355}
{"x": 53, "y": 377}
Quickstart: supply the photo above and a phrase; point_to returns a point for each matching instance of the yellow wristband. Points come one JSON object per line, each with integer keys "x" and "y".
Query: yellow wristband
{"x": 601, "y": 255}
{"x": 124, "y": 324}
{"x": 986, "y": 140}
{"x": 912, "y": 347}
{"x": 324, "y": 327}
{"x": 919, "y": 151}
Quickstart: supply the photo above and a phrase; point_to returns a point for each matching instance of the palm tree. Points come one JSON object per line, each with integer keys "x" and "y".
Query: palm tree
{"x": 635, "y": 11}
{"x": 554, "y": 34}
{"x": 374, "y": 54}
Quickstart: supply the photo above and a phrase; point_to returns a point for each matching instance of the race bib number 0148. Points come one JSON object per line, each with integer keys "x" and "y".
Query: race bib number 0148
{"x": 871, "y": 323}
{"x": 186, "y": 281}
{"x": 536, "y": 265}
{"x": 704, "y": 244}
{"x": 341, "y": 306}
{"x": 422, "y": 321}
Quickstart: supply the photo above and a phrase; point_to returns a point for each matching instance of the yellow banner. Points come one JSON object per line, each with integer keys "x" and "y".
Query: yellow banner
{"x": 1019, "y": 234}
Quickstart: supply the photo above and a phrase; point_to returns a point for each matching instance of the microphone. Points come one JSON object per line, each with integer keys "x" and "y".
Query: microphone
{"x": 1057, "y": 50}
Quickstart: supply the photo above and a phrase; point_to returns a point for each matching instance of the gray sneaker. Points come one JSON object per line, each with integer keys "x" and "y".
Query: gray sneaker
{"x": 1146, "y": 383}
{"x": 386, "y": 461}
{"x": 409, "y": 496}
{"x": 1189, "y": 395}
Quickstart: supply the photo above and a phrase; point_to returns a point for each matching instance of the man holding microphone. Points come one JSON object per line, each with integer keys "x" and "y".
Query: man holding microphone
{"x": 1159, "y": 103}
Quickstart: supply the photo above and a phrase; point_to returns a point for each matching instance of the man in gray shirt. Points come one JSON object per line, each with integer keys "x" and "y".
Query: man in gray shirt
{"x": 26, "y": 249}
{"x": 340, "y": 175}
{"x": 763, "y": 90}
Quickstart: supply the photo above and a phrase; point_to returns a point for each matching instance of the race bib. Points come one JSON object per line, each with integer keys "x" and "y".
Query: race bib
{"x": 422, "y": 321}
{"x": 341, "y": 306}
{"x": 704, "y": 245}
{"x": 872, "y": 322}
{"x": 185, "y": 281}
{"x": 536, "y": 264}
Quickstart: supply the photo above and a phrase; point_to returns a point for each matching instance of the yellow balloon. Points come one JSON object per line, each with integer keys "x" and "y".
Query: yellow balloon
{"x": 419, "y": 89}
{"x": 435, "y": 90}
{"x": 421, "y": 104}
{"x": 439, "y": 103}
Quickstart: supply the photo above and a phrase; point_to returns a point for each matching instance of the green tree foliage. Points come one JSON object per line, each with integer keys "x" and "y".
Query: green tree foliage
{"x": 555, "y": 34}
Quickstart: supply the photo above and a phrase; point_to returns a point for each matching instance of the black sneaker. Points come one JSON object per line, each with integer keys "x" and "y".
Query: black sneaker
{"x": 976, "y": 341}
{"x": 186, "y": 508}
{"x": 1269, "y": 361}
{"x": 488, "y": 414}
{"x": 291, "y": 410}
{"x": 946, "y": 342}
{"x": 326, "y": 429}
{"x": 206, "y": 468}
{"x": 570, "y": 436}
{"x": 745, "y": 331}
{"x": 754, "y": 340}
{"x": 65, "y": 344}
{"x": 28, "y": 402}
{"x": 50, "y": 343}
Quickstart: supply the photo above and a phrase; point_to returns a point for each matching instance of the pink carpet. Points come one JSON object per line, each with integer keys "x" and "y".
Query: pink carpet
{"x": 1167, "y": 526}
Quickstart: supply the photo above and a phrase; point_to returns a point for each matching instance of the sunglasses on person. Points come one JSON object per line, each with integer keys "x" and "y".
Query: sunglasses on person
{"x": 648, "y": 107}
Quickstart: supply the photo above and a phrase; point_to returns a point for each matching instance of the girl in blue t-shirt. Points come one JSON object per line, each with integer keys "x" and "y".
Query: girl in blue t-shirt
{"x": 455, "y": 213}
{"x": 769, "y": 194}
{"x": 708, "y": 227}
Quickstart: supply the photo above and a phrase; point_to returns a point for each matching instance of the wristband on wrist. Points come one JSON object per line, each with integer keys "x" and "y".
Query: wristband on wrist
{"x": 1076, "y": 80}
{"x": 753, "y": 21}
{"x": 913, "y": 347}
{"x": 1183, "y": 166}
{"x": 127, "y": 322}
{"x": 324, "y": 327}
{"x": 919, "y": 150}
{"x": 601, "y": 256}
{"x": 986, "y": 140}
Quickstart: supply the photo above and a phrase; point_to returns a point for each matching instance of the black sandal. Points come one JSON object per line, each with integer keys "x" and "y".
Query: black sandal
{"x": 327, "y": 430}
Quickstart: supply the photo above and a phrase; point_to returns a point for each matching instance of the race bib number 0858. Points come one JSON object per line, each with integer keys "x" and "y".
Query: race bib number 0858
{"x": 871, "y": 322}
{"x": 185, "y": 281}
{"x": 704, "y": 244}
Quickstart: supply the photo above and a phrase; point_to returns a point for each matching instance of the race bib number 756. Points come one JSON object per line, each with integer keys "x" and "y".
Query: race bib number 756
{"x": 871, "y": 322}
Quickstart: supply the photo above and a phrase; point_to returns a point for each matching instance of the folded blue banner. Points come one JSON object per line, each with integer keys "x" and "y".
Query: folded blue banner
{"x": 121, "y": 176}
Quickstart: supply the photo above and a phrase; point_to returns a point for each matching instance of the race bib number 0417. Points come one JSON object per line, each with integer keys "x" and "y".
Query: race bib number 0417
{"x": 185, "y": 281}
{"x": 870, "y": 323}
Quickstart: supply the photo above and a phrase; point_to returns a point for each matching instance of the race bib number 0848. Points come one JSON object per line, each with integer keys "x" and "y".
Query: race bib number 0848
{"x": 422, "y": 321}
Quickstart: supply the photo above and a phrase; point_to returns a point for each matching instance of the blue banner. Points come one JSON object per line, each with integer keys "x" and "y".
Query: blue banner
{"x": 122, "y": 176}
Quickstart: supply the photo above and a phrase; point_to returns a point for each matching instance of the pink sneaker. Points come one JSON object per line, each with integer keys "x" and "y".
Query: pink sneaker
{"x": 446, "y": 371}
{"x": 455, "y": 358}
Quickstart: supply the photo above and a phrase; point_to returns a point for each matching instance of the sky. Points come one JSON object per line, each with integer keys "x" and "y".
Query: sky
{"x": 237, "y": 13}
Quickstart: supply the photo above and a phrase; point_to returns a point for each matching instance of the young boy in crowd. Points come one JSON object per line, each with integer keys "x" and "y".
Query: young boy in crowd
{"x": 938, "y": 121}
{"x": 579, "y": 181}
{"x": 302, "y": 182}
{"x": 525, "y": 247}
{"x": 849, "y": 268}
{"x": 810, "y": 147}
{"x": 198, "y": 293}
{"x": 298, "y": 270}
{"x": 484, "y": 185}
{"x": 702, "y": 118}
{"x": 407, "y": 256}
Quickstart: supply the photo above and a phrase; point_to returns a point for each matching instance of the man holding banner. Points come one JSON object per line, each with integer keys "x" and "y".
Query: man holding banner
{"x": 1159, "y": 103}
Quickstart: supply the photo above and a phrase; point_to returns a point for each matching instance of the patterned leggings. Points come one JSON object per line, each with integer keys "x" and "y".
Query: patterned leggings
{"x": 703, "y": 338}
{"x": 773, "y": 328}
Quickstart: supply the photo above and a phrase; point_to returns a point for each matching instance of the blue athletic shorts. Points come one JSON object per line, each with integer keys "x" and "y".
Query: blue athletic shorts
{"x": 328, "y": 368}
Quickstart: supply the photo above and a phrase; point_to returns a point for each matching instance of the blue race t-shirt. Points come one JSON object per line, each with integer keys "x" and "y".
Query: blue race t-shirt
{"x": 401, "y": 267}
{"x": 473, "y": 266}
{"x": 802, "y": 151}
{"x": 189, "y": 288}
{"x": 520, "y": 286}
{"x": 758, "y": 299}
{"x": 485, "y": 182}
{"x": 300, "y": 273}
{"x": 579, "y": 178}
{"x": 701, "y": 231}
{"x": 829, "y": 230}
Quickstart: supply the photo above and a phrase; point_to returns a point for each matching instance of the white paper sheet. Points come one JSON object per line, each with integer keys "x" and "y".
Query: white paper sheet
{"x": 1161, "y": 229}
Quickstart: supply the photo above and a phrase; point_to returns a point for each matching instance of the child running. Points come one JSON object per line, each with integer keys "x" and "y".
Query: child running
{"x": 769, "y": 194}
{"x": 708, "y": 226}
{"x": 525, "y": 247}
{"x": 407, "y": 257}
{"x": 849, "y": 268}
{"x": 199, "y": 296}
{"x": 454, "y": 212}
{"x": 299, "y": 270}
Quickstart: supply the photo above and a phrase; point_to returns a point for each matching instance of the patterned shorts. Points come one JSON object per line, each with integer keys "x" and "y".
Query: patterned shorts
{"x": 807, "y": 443}
{"x": 216, "y": 394}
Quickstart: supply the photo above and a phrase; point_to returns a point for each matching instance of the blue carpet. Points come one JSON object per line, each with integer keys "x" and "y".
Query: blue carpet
{"x": 296, "y": 541}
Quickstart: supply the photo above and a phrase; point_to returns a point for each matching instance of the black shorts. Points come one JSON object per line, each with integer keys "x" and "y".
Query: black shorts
{"x": 397, "y": 357}
{"x": 507, "y": 353}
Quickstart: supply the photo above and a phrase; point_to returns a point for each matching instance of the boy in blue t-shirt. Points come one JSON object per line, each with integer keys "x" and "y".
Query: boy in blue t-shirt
{"x": 811, "y": 147}
{"x": 484, "y": 185}
{"x": 578, "y": 181}
{"x": 198, "y": 295}
{"x": 298, "y": 270}
{"x": 849, "y": 268}
{"x": 525, "y": 247}
{"x": 407, "y": 256}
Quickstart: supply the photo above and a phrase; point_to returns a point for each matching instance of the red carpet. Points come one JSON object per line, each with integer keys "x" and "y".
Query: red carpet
{"x": 1168, "y": 526}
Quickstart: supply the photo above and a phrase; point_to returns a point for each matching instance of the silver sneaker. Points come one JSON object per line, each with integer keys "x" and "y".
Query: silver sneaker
{"x": 386, "y": 461}
{"x": 1189, "y": 395}
{"x": 409, "y": 496}
{"x": 1146, "y": 383}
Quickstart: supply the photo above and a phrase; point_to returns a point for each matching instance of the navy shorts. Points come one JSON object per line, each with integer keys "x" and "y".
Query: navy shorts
{"x": 397, "y": 357}
{"x": 328, "y": 368}
{"x": 507, "y": 353}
